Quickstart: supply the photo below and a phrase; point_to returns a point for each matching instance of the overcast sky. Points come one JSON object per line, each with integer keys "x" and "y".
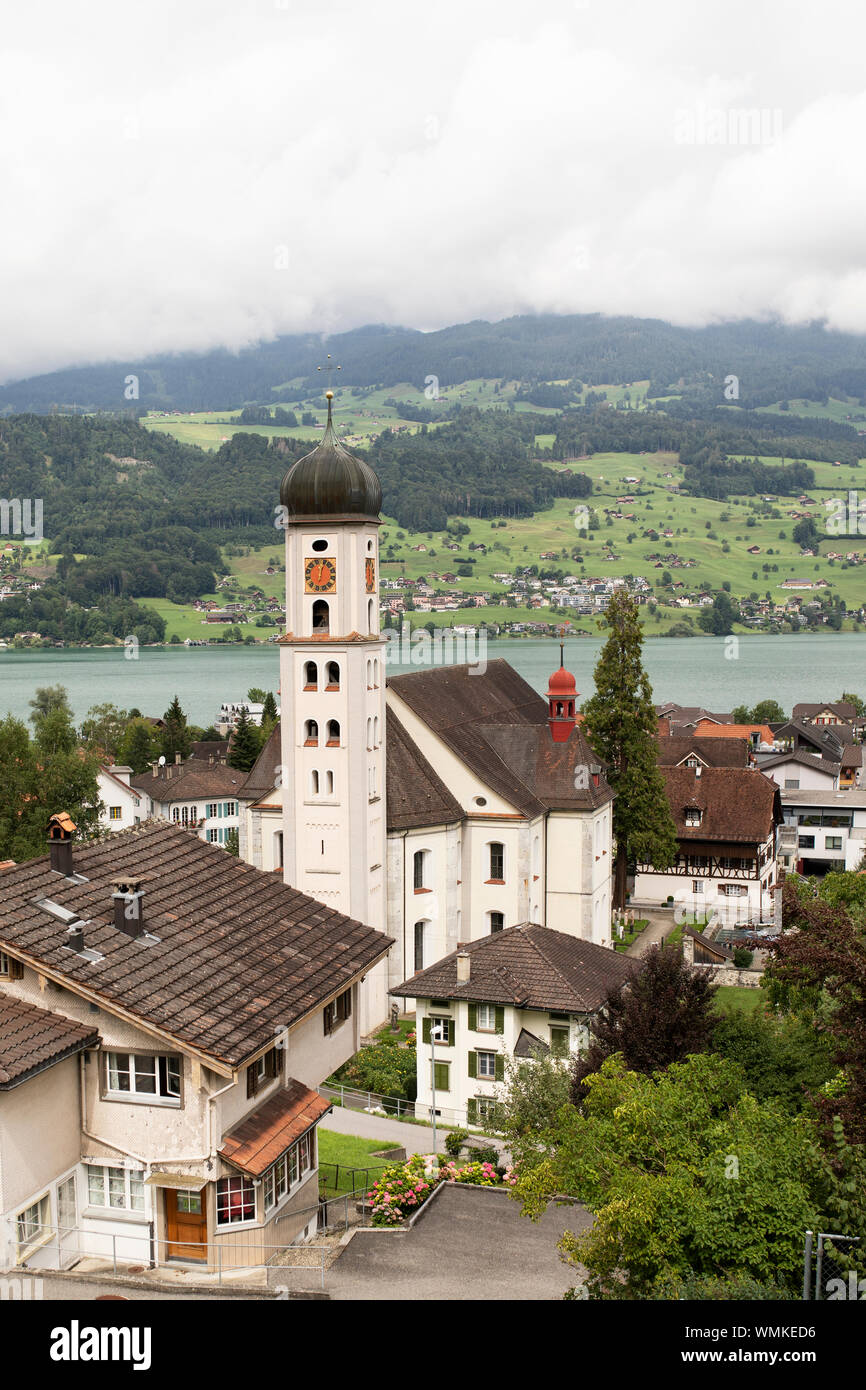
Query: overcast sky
{"x": 213, "y": 172}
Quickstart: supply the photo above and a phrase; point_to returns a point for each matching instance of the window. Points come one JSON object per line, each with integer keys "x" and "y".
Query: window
{"x": 421, "y": 870}
{"x": 4, "y": 963}
{"x": 692, "y": 815}
{"x": 33, "y": 1223}
{"x": 697, "y": 885}
{"x": 115, "y": 812}
{"x": 231, "y": 808}
{"x": 559, "y": 1041}
{"x": 832, "y": 841}
{"x": 497, "y": 921}
{"x": 311, "y": 676}
{"x": 337, "y": 1011}
{"x": 129, "y": 1074}
{"x": 261, "y": 1071}
{"x": 235, "y": 1201}
{"x": 320, "y": 545}
{"x": 213, "y": 837}
{"x": 311, "y": 733}
{"x": 119, "y": 1188}
{"x": 806, "y": 841}
{"x": 487, "y": 1064}
{"x": 733, "y": 890}
{"x": 333, "y": 733}
{"x": 497, "y": 863}
{"x": 792, "y": 783}
{"x": 288, "y": 1170}
{"x": 485, "y": 1018}
{"x": 211, "y": 810}
{"x": 371, "y": 615}
{"x": 321, "y": 616}
{"x": 333, "y": 674}
{"x": 441, "y": 1076}
{"x": 419, "y": 945}
{"x": 486, "y": 1110}
{"x": 438, "y": 1030}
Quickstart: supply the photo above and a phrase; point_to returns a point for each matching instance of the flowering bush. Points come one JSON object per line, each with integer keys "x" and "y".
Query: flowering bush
{"x": 403, "y": 1188}
{"x": 479, "y": 1174}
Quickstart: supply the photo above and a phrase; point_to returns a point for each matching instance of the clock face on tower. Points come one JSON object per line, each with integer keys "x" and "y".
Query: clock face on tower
{"x": 370, "y": 570}
{"x": 320, "y": 576}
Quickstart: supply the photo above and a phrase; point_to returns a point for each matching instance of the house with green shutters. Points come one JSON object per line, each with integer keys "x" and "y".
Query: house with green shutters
{"x": 517, "y": 993}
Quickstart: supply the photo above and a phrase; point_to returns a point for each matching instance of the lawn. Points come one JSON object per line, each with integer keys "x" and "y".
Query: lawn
{"x": 738, "y": 999}
{"x": 351, "y": 1153}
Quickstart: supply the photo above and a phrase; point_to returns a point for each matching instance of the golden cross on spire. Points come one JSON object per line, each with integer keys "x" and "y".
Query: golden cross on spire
{"x": 329, "y": 368}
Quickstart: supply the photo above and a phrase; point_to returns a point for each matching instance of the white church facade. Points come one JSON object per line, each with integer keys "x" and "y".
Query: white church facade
{"x": 438, "y": 806}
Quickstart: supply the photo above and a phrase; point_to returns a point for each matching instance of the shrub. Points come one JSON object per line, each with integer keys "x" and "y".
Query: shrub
{"x": 743, "y": 958}
{"x": 478, "y": 1174}
{"x": 455, "y": 1140}
{"x": 401, "y": 1190}
{"x": 485, "y": 1153}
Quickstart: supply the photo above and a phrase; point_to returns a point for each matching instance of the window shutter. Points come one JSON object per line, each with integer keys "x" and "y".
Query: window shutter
{"x": 500, "y": 1018}
{"x": 326, "y": 1019}
{"x": 451, "y": 1029}
{"x": 348, "y": 1006}
{"x": 425, "y": 1030}
{"x": 473, "y": 1064}
{"x": 472, "y": 1111}
{"x": 473, "y": 1017}
{"x": 500, "y": 1067}
{"x": 252, "y": 1085}
{"x": 272, "y": 1062}
{"x": 16, "y": 969}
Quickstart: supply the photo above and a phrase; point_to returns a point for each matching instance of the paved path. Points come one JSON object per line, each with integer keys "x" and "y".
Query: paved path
{"x": 415, "y": 1139}
{"x": 471, "y": 1244}
{"x": 661, "y": 923}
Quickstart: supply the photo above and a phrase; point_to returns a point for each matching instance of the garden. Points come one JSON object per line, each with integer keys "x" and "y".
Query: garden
{"x": 402, "y": 1189}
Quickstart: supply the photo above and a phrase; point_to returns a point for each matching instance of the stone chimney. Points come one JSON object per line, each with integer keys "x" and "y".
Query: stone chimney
{"x": 463, "y": 967}
{"x": 128, "y": 899}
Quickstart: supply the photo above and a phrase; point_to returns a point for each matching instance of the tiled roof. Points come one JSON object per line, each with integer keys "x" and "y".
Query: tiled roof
{"x": 32, "y": 1039}
{"x": 193, "y": 780}
{"x": 799, "y": 755}
{"x": 527, "y": 1044}
{"x": 830, "y": 738}
{"x": 240, "y": 953}
{"x": 262, "y": 1136}
{"x": 843, "y": 710}
{"x": 737, "y": 804}
{"x": 529, "y": 967}
{"x": 713, "y": 752}
{"x": 497, "y": 725}
{"x": 707, "y": 729}
{"x": 416, "y": 794}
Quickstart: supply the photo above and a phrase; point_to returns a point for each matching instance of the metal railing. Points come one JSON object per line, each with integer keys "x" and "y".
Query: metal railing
{"x": 359, "y": 1179}
{"x": 395, "y": 1109}
{"x": 54, "y": 1249}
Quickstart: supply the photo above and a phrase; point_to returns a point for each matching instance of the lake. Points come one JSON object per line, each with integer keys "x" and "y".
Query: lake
{"x": 715, "y": 672}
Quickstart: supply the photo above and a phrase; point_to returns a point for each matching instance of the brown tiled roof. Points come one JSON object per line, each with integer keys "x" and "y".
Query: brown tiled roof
{"x": 32, "y": 1039}
{"x": 262, "y": 1136}
{"x": 713, "y": 752}
{"x": 193, "y": 780}
{"x": 497, "y": 724}
{"x": 737, "y": 804}
{"x": 529, "y": 967}
{"x": 416, "y": 794}
{"x": 830, "y": 738}
{"x": 843, "y": 710}
{"x": 799, "y": 755}
{"x": 240, "y": 954}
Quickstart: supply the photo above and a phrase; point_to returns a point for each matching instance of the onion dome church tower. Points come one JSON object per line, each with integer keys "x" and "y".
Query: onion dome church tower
{"x": 332, "y": 678}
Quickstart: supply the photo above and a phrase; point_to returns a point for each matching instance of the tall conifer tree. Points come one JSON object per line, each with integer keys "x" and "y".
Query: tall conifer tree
{"x": 245, "y": 745}
{"x": 621, "y": 725}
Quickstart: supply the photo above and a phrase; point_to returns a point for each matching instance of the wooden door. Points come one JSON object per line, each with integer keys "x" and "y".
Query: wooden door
{"x": 185, "y": 1224}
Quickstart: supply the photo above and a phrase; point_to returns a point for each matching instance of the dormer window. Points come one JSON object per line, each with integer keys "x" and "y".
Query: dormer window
{"x": 693, "y": 815}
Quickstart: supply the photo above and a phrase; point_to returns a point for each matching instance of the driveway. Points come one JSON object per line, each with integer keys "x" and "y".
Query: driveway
{"x": 470, "y": 1244}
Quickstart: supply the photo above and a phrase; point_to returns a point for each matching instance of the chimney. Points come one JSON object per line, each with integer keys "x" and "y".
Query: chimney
{"x": 75, "y": 936}
{"x": 128, "y": 899}
{"x": 463, "y": 967}
{"x": 61, "y": 829}
{"x": 155, "y": 769}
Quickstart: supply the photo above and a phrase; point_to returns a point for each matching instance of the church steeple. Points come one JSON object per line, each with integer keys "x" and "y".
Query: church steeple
{"x": 330, "y": 482}
{"x": 562, "y": 702}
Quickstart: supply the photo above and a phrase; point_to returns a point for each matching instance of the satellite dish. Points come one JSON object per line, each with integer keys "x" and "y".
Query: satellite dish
{"x": 162, "y": 760}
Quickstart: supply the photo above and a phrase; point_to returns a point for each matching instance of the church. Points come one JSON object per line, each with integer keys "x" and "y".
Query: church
{"x": 437, "y": 806}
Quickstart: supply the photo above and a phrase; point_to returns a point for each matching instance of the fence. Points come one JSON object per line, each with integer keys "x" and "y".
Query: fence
{"x": 397, "y": 1109}
{"x": 828, "y": 1268}
{"x": 348, "y": 1179}
{"x": 214, "y": 1262}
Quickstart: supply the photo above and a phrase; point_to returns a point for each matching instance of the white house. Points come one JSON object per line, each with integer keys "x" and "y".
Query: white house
{"x": 526, "y": 990}
{"x": 166, "y": 1012}
{"x": 121, "y": 803}
{"x": 824, "y": 829}
{"x": 199, "y": 795}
